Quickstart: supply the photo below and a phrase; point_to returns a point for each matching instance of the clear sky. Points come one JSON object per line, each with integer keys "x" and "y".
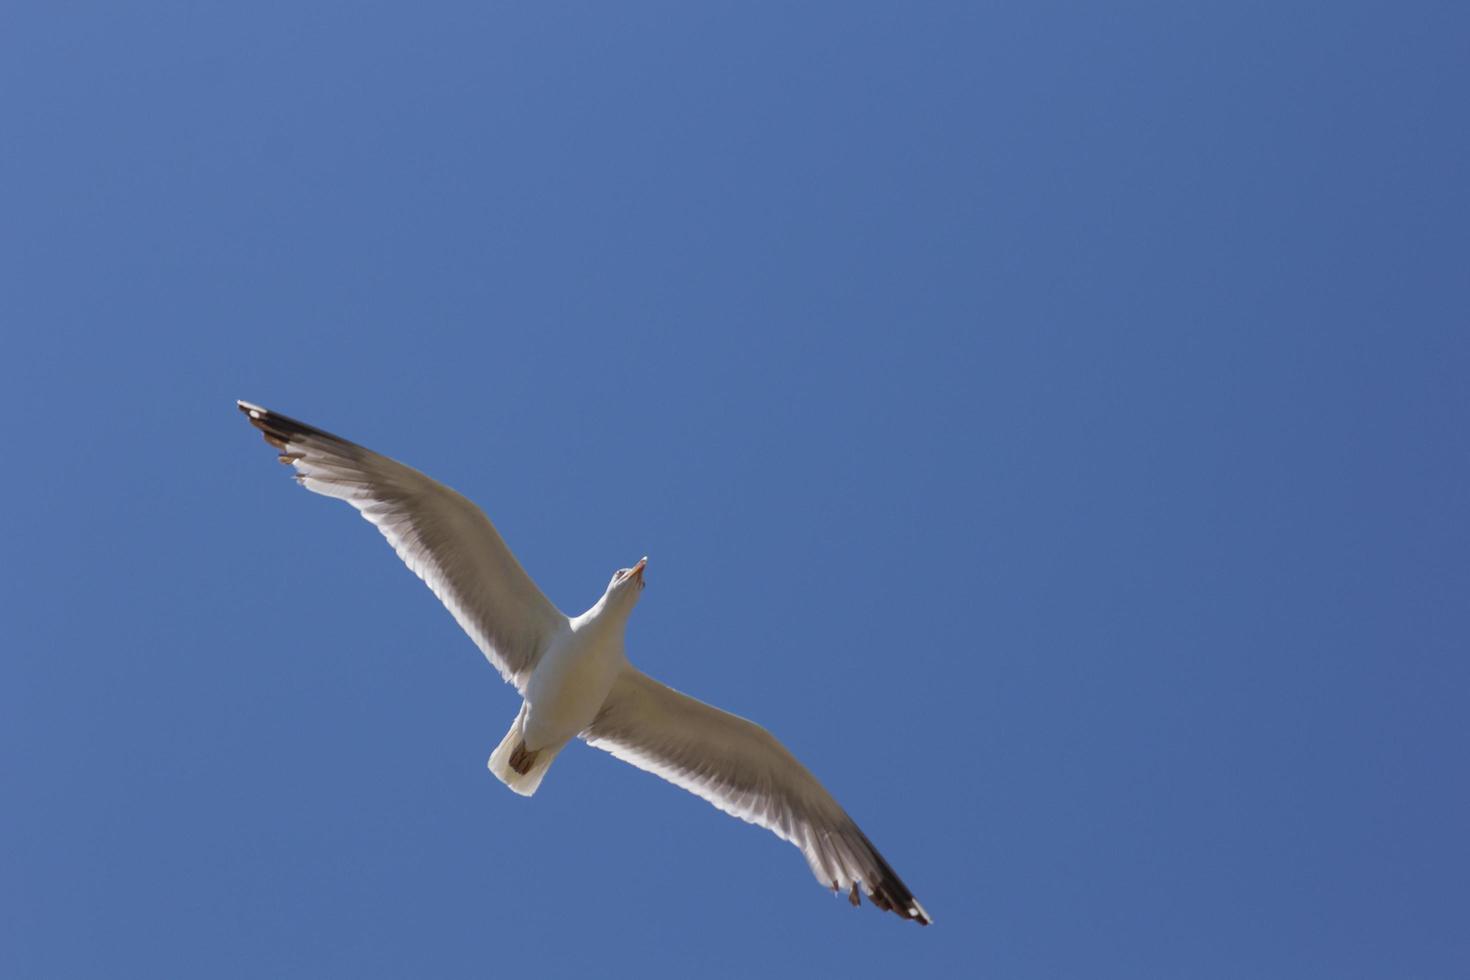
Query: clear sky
{"x": 1048, "y": 418}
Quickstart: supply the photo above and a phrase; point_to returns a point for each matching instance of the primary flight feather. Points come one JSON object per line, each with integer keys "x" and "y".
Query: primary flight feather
{"x": 572, "y": 672}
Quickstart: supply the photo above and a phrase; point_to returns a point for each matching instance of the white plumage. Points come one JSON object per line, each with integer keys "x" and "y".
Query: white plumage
{"x": 573, "y": 672}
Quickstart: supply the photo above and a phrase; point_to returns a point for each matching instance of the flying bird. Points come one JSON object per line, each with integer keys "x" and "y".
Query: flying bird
{"x": 572, "y": 672}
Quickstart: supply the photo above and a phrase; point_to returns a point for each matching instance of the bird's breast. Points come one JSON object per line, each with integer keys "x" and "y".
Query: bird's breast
{"x": 567, "y": 689}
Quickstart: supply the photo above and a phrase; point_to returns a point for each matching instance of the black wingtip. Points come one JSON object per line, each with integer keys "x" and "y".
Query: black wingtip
{"x": 889, "y": 893}
{"x": 280, "y": 429}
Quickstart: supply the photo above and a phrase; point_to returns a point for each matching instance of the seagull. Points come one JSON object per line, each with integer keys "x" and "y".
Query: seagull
{"x": 572, "y": 672}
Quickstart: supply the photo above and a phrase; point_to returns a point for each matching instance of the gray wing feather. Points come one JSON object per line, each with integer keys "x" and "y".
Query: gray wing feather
{"x": 741, "y": 768}
{"x": 443, "y": 538}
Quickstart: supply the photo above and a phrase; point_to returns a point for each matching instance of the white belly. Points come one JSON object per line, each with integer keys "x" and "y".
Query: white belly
{"x": 568, "y": 688}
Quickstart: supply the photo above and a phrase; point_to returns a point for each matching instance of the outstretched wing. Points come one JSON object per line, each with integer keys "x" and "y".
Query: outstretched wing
{"x": 442, "y": 537}
{"x": 741, "y": 768}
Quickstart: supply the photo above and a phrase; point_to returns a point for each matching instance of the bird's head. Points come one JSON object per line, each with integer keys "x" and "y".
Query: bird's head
{"x": 627, "y": 583}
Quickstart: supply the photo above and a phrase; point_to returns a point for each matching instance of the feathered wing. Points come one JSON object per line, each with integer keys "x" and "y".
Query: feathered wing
{"x": 742, "y": 769}
{"x": 442, "y": 537}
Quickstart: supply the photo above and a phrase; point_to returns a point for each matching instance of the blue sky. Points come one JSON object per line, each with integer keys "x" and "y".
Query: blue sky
{"x": 1049, "y": 419}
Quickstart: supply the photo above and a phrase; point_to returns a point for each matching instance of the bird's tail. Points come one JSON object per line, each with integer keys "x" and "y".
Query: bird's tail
{"x": 518, "y": 767}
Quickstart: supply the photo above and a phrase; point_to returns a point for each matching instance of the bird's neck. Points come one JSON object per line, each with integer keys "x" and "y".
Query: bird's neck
{"x": 608, "y": 615}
